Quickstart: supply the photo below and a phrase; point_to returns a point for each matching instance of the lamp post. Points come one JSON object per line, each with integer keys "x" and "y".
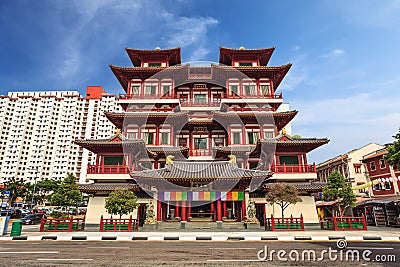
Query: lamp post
{"x": 34, "y": 185}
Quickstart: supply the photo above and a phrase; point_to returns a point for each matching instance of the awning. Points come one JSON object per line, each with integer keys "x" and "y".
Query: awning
{"x": 323, "y": 204}
{"x": 379, "y": 200}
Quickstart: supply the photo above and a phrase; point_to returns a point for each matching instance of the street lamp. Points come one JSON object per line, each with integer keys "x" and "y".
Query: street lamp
{"x": 34, "y": 185}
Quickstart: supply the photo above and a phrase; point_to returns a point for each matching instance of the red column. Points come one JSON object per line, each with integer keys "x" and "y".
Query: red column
{"x": 243, "y": 210}
{"x": 213, "y": 210}
{"x": 189, "y": 210}
{"x": 183, "y": 217}
{"x": 219, "y": 215}
{"x": 157, "y": 134}
{"x": 158, "y": 210}
{"x": 225, "y": 212}
{"x": 177, "y": 209}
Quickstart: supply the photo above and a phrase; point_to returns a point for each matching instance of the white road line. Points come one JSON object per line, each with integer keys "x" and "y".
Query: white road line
{"x": 369, "y": 248}
{"x": 29, "y": 252}
{"x": 249, "y": 260}
{"x": 111, "y": 247}
{"x": 232, "y": 248}
{"x": 64, "y": 259}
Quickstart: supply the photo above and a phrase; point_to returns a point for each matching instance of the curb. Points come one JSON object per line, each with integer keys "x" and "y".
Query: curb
{"x": 198, "y": 238}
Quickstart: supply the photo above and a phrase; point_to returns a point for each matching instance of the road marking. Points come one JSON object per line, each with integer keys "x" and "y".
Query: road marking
{"x": 64, "y": 259}
{"x": 252, "y": 260}
{"x": 369, "y": 248}
{"x": 29, "y": 252}
{"x": 232, "y": 248}
{"x": 111, "y": 247}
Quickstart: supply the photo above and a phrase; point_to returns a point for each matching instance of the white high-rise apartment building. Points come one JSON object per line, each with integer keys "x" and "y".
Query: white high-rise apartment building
{"x": 38, "y": 130}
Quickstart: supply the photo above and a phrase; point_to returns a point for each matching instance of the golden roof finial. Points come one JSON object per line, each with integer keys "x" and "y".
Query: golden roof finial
{"x": 284, "y": 131}
{"x": 168, "y": 160}
{"x": 118, "y": 131}
{"x": 232, "y": 159}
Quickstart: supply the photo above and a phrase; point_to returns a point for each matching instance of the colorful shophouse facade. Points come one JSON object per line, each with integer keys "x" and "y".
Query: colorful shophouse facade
{"x": 200, "y": 141}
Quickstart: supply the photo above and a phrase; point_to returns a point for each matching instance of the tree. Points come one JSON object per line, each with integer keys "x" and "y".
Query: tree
{"x": 283, "y": 194}
{"x": 17, "y": 189}
{"x": 338, "y": 190}
{"x": 296, "y": 136}
{"x": 67, "y": 194}
{"x": 121, "y": 202}
{"x": 393, "y": 155}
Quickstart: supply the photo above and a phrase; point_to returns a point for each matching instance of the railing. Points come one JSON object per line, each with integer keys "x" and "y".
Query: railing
{"x": 118, "y": 225}
{"x": 284, "y": 224}
{"x": 244, "y": 96}
{"x": 344, "y": 223}
{"x": 62, "y": 224}
{"x": 200, "y": 152}
{"x": 104, "y": 169}
{"x": 194, "y": 103}
{"x": 293, "y": 168}
{"x": 147, "y": 96}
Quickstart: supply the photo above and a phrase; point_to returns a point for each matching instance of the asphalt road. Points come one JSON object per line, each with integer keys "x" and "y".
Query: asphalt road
{"x": 175, "y": 253}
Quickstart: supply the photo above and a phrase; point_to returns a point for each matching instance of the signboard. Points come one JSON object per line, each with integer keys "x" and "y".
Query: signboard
{"x": 4, "y": 224}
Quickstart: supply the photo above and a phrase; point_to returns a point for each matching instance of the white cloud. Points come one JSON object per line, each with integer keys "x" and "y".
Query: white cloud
{"x": 298, "y": 74}
{"x": 334, "y": 53}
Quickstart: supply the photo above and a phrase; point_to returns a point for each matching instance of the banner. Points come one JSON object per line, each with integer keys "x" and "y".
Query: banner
{"x": 201, "y": 196}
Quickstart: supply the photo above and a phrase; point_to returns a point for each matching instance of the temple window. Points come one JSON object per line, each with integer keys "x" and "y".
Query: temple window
{"x": 253, "y": 165}
{"x": 135, "y": 89}
{"x": 289, "y": 160}
{"x": 113, "y": 160}
{"x": 250, "y": 89}
{"x": 265, "y": 89}
{"x": 150, "y": 90}
{"x": 200, "y": 143}
{"x": 154, "y": 64}
{"x": 236, "y": 138}
{"x": 234, "y": 89}
{"x": 200, "y": 98}
{"x": 372, "y": 166}
{"x": 164, "y": 138}
{"x": 218, "y": 141}
{"x": 148, "y": 138}
{"x": 245, "y": 64}
{"x": 182, "y": 141}
{"x": 147, "y": 165}
{"x": 166, "y": 89}
{"x": 268, "y": 134}
{"x": 382, "y": 164}
{"x": 252, "y": 137}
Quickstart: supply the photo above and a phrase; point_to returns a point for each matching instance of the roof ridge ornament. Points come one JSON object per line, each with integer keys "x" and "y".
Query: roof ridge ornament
{"x": 232, "y": 159}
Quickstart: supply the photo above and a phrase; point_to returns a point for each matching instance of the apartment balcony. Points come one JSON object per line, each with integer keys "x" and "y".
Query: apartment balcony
{"x": 294, "y": 168}
{"x": 109, "y": 169}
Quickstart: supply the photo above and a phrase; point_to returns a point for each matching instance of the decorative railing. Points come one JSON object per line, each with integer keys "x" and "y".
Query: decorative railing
{"x": 118, "y": 225}
{"x": 293, "y": 168}
{"x": 343, "y": 223}
{"x": 62, "y": 224}
{"x": 147, "y": 96}
{"x": 284, "y": 224}
{"x": 194, "y": 103}
{"x": 272, "y": 96}
{"x": 104, "y": 169}
{"x": 200, "y": 152}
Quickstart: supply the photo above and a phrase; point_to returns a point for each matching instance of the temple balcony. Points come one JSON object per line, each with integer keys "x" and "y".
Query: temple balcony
{"x": 109, "y": 169}
{"x": 271, "y": 96}
{"x": 200, "y": 152}
{"x": 294, "y": 168}
{"x": 194, "y": 103}
{"x": 147, "y": 96}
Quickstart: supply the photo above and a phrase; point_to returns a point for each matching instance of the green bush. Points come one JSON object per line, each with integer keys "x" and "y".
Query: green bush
{"x": 58, "y": 214}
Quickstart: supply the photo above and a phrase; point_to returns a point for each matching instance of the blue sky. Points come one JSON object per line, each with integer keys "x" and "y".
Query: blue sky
{"x": 345, "y": 54}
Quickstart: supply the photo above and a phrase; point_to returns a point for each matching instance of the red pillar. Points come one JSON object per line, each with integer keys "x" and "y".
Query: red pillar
{"x": 213, "y": 210}
{"x": 158, "y": 210}
{"x": 177, "y": 209}
{"x": 219, "y": 215}
{"x": 225, "y": 212}
{"x": 157, "y": 134}
{"x": 183, "y": 217}
{"x": 243, "y": 210}
{"x": 189, "y": 210}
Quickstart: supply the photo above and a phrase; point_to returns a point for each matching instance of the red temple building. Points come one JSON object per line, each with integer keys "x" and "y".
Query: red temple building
{"x": 201, "y": 141}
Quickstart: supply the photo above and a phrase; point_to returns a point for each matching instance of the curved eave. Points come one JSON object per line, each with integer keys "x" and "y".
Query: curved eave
{"x": 172, "y": 54}
{"x": 125, "y": 74}
{"x": 281, "y": 119}
{"x": 106, "y": 187}
{"x": 168, "y": 150}
{"x": 303, "y": 145}
{"x": 117, "y": 147}
{"x": 263, "y": 54}
{"x": 118, "y": 119}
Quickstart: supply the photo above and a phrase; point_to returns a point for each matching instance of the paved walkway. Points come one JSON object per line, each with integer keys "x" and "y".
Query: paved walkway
{"x": 373, "y": 234}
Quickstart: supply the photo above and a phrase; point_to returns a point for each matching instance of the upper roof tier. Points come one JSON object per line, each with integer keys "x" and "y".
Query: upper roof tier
{"x": 228, "y": 55}
{"x": 139, "y": 56}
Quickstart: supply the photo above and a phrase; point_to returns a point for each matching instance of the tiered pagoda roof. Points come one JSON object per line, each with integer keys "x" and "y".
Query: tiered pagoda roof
{"x": 227, "y": 54}
{"x": 118, "y": 118}
{"x": 173, "y": 55}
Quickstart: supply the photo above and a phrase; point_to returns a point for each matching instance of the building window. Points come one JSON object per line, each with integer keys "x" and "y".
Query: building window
{"x": 135, "y": 90}
{"x": 148, "y": 138}
{"x": 245, "y": 64}
{"x": 236, "y": 138}
{"x": 200, "y": 98}
{"x": 218, "y": 141}
{"x": 372, "y": 166}
{"x": 234, "y": 89}
{"x": 200, "y": 143}
{"x": 382, "y": 164}
{"x": 113, "y": 160}
{"x": 357, "y": 169}
{"x": 289, "y": 160}
{"x": 164, "y": 138}
{"x": 268, "y": 135}
{"x": 182, "y": 142}
{"x": 154, "y": 64}
{"x": 265, "y": 89}
{"x": 253, "y": 165}
{"x": 150, "y": 90}
{"x": 252, "y": 137}
{"x": 166, "y": 89}
{"x": 250, "y": 89}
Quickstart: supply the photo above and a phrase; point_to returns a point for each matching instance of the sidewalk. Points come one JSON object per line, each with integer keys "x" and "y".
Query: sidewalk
{"x": 374, "y": 234}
